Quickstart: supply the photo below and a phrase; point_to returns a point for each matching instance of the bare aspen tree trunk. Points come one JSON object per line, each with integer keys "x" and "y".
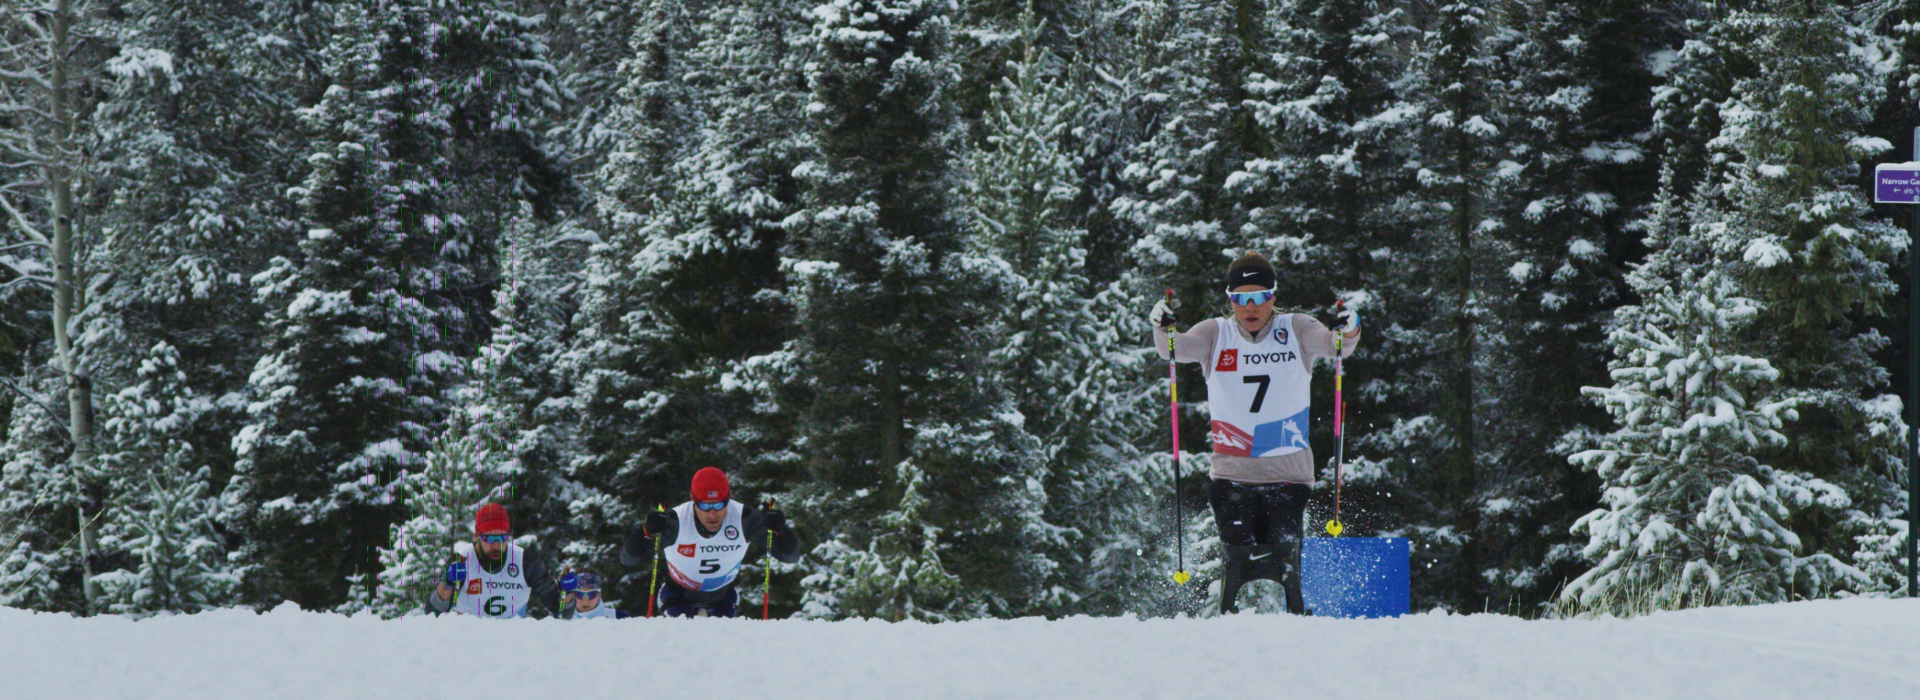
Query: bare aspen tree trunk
{"x": 66, "y": 286}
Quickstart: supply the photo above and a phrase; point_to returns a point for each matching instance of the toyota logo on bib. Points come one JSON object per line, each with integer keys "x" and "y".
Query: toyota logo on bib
{"x": 686, "y": 550}
{"x": 1229, "y": 361}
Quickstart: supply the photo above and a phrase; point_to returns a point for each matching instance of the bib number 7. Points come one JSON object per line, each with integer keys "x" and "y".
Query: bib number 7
{"x": 1259, "y": 395}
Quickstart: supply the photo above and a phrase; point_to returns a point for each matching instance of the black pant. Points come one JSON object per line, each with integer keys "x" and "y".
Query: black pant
{"x": 1260, "y": 535}
{"x": 1263, "y": 514}
{"x": 676, "y": 601}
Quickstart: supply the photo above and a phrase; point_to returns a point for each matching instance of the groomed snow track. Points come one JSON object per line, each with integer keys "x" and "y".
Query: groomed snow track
{"x": 1825, "y": 649}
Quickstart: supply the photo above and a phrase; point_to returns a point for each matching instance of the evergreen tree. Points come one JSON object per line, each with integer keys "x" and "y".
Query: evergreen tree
{"x": 163, "y": 518}
{"x": 1062, "y": 356}
{"x": 1783, "y": 211}
{"x": 456, "y": 477}
{"x": 1689, "y": 515}
{"x": 356, "y": 367}
{"x": 520, "y": 392}
{"x": 1572, "y": 164}
{"x": 1443, "y": 378}
{"x": 617, "y": 384}
{"x": 41, "y": 567}
{"x": 890, "y": 304}
{"x": 370, "y": 323}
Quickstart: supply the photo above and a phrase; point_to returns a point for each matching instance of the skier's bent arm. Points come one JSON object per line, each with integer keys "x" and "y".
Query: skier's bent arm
{"x": 545, "y": 591}
{"x": 1195, "y": 345}
{"x": 786, "y": 544}
{"x": 638, "y": 548}
{"x": 1316, "y": 339}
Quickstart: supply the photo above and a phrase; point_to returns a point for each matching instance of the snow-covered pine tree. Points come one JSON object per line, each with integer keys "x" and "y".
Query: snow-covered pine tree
{"x": 357, "y": 364}
{"x": 891, "y": 305}
{"x": 1196, "y": 60}
{"x": 898, "y": 576}
{"x": 520, "y": 393}
{"x": 192, "y": 148}
{"x": 1065, "y": 353}
{"x": 41, "y": 567}
{"x": 618, "y": 385}
{"x": 1784, "y": 212}
{"x": 1178, "y": 200}
{"x": 162, "y": 523}
{"x": 589, "y": 41}
{"x": 389, "y": 275}
{"x": 1689, "y": 516}
{"x": 1571, "y": 165}
{"x": 462, "y": 471}
{"x": 990, "y": 37}
{"x": 713, "y": 259}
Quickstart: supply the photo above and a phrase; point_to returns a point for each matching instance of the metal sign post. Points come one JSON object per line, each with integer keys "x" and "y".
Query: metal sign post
{"x": 1899, "y": 183}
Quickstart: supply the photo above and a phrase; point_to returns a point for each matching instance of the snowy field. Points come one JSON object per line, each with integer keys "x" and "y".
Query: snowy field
{"x": 1826, "y": 649}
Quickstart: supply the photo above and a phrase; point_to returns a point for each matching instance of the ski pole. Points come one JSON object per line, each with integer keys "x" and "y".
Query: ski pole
{"x": 653, "y": 589}
{"x": 1180, "y": 575}
{"x": 1334, "y": 527}
{"x": 766, "y": 593}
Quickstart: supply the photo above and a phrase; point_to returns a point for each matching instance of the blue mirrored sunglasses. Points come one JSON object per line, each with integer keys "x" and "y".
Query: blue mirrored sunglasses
{"x": 1250, "y": 298}
{"x": 495, "y": 539}
{"x": 716, "y": 505}
{"x": 595, "y": 593}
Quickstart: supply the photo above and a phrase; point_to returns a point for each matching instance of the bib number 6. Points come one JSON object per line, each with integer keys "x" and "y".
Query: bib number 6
{"x": 1259, "y": 395}
{"x": 495, "y": 606}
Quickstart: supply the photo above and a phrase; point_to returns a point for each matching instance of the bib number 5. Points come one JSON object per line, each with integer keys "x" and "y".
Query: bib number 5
{"x": 1260, "y": 394}
{"x": 709, "y": 566}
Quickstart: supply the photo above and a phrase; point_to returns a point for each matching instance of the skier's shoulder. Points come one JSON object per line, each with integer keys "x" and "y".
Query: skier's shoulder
{"x": 1306, "y": 323}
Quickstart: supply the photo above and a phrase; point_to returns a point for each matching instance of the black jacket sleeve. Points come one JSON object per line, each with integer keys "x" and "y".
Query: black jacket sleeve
{"x": 546, "y": 591}
{"x": 638, "y": 548}
{"x": 786, "y": 545}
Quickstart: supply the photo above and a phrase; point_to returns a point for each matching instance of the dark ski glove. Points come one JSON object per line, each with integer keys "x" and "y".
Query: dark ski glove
{"x": 776, "y": 520}
{"x": 656, "y": 523}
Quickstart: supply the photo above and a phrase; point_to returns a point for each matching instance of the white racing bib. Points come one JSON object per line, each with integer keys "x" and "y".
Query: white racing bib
{"x": 706, "y": 563}
{"x": 1258, "y": 393}
{"x": 496, "y": 595}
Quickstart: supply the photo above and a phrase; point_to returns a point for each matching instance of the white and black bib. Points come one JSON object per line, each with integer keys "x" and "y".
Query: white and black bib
{"x": 496, "y": 595}
{"x": 706, "y": 563}
{"x": 1258, "y": 393}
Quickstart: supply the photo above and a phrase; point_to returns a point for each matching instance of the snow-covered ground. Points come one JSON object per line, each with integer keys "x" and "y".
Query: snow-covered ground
{"x": 1827, "y": 649}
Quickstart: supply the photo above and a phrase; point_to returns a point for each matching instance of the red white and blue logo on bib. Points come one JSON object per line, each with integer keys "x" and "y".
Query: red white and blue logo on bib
{"x": 1229, "y": 361}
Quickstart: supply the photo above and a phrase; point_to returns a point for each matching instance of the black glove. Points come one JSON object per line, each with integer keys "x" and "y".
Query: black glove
{"x": 656, "y": 523}
{"x": 776, "y": 520}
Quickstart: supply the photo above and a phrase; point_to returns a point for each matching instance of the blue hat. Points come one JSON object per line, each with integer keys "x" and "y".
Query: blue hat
{"x": 587, "y": 582}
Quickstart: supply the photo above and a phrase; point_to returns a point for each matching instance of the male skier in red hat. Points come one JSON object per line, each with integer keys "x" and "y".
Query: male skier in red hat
{"x": 493, "y": 577}
{"x": 703, "y": 561}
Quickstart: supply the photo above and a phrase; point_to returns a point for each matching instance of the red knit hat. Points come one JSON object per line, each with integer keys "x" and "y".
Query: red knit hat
{"x": 710, "y": 484}
{"x": 491, "y": 518}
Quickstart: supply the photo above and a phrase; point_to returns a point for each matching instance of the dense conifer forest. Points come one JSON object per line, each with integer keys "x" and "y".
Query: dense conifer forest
{"x": 287, "y": 287}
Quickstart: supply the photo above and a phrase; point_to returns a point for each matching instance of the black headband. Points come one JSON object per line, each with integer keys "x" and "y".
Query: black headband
{"x": 1250, "y": 273}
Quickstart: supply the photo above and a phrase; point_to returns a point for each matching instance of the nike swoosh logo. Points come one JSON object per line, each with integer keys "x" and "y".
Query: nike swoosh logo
{"x": 1263, "y": 556}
